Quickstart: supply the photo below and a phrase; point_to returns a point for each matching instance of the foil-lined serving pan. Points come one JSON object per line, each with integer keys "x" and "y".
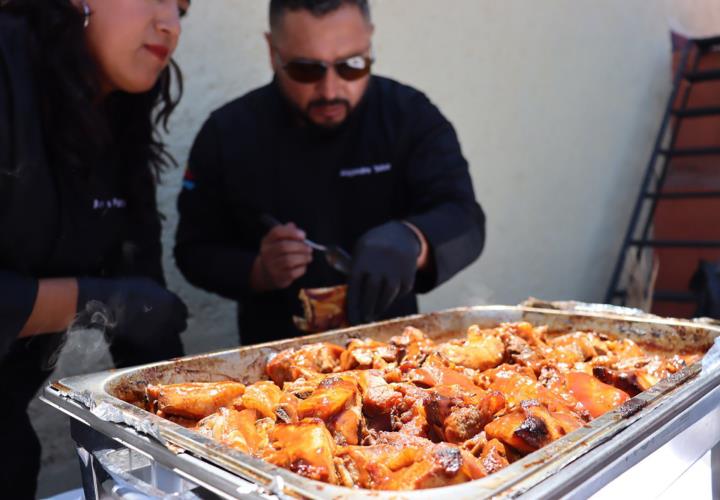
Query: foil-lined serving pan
{"x": 581, "y": 461}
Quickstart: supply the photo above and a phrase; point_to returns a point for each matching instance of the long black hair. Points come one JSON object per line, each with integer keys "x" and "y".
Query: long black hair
{"x": 78, "y": 130}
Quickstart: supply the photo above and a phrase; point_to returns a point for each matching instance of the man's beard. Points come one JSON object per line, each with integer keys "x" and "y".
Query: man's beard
{"x": 327, "y": 102}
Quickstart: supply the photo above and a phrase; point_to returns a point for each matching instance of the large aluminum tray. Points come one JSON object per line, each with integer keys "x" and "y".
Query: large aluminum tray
{"x": 100, "y": 401}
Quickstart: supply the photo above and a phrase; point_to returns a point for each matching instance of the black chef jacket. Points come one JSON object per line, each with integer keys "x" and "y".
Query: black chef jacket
{"x": 395, "y": 157}
{"x": 54, "y": 222}
{"x": 60, "y": 222}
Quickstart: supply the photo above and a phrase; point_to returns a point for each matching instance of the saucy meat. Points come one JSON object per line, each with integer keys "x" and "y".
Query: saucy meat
{"x": 411, "y": 413}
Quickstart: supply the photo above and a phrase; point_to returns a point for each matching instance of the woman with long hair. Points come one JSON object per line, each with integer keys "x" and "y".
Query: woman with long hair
{"x": 84, "y": 86}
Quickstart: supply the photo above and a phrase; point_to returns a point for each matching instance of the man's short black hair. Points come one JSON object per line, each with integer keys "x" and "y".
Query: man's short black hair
{"x": 317, "y": 8}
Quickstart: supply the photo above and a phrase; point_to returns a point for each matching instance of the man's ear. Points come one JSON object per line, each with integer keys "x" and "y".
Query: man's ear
{"x": 271, "y": 51}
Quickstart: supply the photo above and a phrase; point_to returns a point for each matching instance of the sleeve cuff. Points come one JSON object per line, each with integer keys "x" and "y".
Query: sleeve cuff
{"x": 454, "y": 241}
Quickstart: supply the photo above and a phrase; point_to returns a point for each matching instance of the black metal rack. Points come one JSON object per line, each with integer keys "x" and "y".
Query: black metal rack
{"x": 637, "y": 238}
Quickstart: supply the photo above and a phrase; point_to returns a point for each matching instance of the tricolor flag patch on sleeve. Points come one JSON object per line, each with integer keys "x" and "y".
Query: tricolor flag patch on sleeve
{"x": 188, "y": 180}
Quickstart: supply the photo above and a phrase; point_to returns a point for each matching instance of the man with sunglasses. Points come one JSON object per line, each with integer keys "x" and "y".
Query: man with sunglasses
{"x": 342, "y": 157}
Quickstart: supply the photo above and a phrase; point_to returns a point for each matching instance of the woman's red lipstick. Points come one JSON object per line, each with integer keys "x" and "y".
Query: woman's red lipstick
{"x": 160, "y": 51}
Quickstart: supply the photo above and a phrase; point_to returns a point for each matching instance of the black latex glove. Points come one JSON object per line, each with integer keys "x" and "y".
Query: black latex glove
{"x": 384, "y": 267}
{"x": 142, "y": 319}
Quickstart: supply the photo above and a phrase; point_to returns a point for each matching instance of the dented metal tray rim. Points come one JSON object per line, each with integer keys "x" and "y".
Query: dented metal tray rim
{"x": 90, "y": 397}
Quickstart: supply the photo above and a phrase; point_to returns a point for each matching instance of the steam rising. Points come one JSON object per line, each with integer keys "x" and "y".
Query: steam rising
{"x": 85, "y": 346}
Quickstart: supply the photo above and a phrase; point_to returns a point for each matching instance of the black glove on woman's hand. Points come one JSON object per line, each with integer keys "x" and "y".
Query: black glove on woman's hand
{"x": 142, "y": 318}
{"x": 384, "y": 267}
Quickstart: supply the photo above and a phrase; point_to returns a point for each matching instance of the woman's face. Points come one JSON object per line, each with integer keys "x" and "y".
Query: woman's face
{"x": 132, "y": 40}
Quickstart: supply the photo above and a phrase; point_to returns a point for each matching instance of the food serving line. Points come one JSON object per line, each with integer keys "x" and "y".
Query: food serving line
{"x": 127, "y": 452}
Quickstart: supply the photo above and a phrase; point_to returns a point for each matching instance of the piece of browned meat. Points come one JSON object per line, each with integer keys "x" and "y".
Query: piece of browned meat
{"x": 457, "y": 415}
{"x": 242, "y": 430}
{"x": 336, "y": 402}
{"x": 531, "y": 425}
{"x": 443, "y": 413}
{"x": 413, "y": 346}
{"x": 494, "y": 456}
{"x": 366, "y": 354}
{"x": 637, "y": 374}
{"x": 269, "y": 401}
{"x": 193, "y": 400}
{"x": 576, "y": 347}
{"x": 523, "y": 344}
{"x": 518, "y": 384}
{"x": 396, "y": 407}
{"x": 305, "y": 447}
{"x": 302, "y": 388}
{"x": 304, "y": 361}
{"x": 596, "y": 396}
{"x": 400, "y": 462}
{"x": 436, "y": 370}
{"x": 481, "y": 350}
{"x": 323, "y": 308}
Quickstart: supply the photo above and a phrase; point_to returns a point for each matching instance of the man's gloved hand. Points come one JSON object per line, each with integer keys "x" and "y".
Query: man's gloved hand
{"x": 142, "y": 318}
{"x": 384, "y": 267}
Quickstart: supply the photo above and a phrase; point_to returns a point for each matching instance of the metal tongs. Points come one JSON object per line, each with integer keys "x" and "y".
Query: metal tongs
{"x": 335, "y": 256}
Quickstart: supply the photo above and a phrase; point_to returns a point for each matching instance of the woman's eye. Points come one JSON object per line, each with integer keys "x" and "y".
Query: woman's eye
{"x": 183, "y": 7}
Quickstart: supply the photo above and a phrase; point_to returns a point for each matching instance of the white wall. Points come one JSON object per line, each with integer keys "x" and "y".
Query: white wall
{"x": 556, "y": 104}
{"x": 694, "y": 18}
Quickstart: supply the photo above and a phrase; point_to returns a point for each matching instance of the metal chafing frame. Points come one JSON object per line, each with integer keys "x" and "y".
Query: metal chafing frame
{"x": 578, "y": 464}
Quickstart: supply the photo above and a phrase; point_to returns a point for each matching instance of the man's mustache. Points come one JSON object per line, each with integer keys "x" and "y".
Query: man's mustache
{"x": 329, "y": 102}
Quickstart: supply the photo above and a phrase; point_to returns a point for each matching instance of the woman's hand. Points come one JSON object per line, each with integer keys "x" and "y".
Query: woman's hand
{"x": 142, "y": 319}
{"x": 136, "y": 312}
{"x": 136, "y": 306}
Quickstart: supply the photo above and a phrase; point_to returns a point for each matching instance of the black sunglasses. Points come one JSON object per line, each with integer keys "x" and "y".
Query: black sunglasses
{"x": 309, "y": 71}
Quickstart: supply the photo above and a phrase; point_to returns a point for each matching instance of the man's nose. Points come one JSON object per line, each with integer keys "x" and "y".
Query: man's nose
{"x": 330, "y": 84}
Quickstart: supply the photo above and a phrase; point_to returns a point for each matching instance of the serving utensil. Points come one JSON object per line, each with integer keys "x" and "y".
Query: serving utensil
{"x": 335, "y": 256}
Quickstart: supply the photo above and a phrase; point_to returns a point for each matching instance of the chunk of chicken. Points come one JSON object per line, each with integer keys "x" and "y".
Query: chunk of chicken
{"x": 306, "y": 448}
{"x": 530, "y": 426}
{"x": 637, "y": 374}
{"x": 437, "y": 371}
{"x": 323, "y": 308}
{"x": 523, "y": 344}
{"x": 481, "y": 350}
{"x": 242, "y": 430}
{"x": 270, "y": 402}
{"x": 494, "y": 456}
{"x": 302, "y": 388}
{"x": 400, "y": 462}
{"x": 594, "y": 395}
{"x": 193, "y": 400}
{"x": 366, "y": 354}
{"x": 396, "y": 407}
{"x": 574, "y": 348}
{"x": 625, "y": 348}
{"x": 413, "y": 346}
{"x": 304, "y": 361}
{"x": 458, "y": 415}
{"x": 519, "y": 384}
{"x": 336, "y": 401}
